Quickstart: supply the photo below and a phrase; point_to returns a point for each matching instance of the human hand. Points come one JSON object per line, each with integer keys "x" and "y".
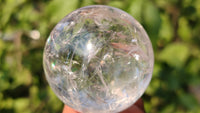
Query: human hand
{"x": 138, "y": 107}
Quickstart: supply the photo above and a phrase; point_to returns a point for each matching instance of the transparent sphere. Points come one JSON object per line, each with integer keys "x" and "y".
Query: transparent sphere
{"x": 98, "y": 59}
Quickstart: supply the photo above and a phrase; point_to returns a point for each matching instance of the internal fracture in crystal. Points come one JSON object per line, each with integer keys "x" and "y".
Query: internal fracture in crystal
{"x": 98, "y": 59}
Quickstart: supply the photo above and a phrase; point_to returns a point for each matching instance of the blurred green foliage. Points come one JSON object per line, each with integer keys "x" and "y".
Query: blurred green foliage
{"x": 174, "y": 29}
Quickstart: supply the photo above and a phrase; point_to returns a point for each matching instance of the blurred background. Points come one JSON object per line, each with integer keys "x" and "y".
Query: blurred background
{"x": 173, "y": 27}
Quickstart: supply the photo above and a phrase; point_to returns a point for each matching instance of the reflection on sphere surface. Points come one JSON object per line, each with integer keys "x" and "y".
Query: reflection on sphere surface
{"x": 98, "y": 59}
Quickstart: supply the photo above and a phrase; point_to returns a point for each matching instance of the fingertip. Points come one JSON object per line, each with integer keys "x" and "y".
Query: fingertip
{"x": 139, "y": 103}
{"x": 67, "y": 109}
{"x": 133, "y": 109}
{"x": 138, "y": 107}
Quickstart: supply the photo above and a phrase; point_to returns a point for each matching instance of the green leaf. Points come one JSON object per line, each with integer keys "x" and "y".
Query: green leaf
{"x": 194, "y": 67}
{"x": 135, "y": 9}
{"x": 151, "y": 18}
{"x": 154, "y": 84}
{"x": 167, "y": 31}
{"x": 1, "y": 48}
{"x": 151, "y": 21}
{"x": 4, "y": 83}
{"x": 156, "y": 70}
{"x": 184, "y": 30}
{"x": 175, "y": 54}
{"x": 6, "y": 103}
{"x": 117, "y": 4}
{"x": 86, "y": 3}
{"x": 188, "y": 101}
{"x": 148, "y": 107}
{"x": 173, "y": 82}
{"x": 197, "y": 6}
{"x": 57, "y": 9}
{"x": 8, "y": 9}
{"x": 155, "y": 101}
{"x": 22, "y": 105}
{"x": 54, "y": 99}
{"x": 22, "y": 77}
{"x": 24, "y": 14}
{"x": 168, "y": 109}
{"x": 34, "y": 97}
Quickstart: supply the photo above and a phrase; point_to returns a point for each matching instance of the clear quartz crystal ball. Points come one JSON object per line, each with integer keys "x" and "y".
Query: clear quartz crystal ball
{"x": 98, "y": 59}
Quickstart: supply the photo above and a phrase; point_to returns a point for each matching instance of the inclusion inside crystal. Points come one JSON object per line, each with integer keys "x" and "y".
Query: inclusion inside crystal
{"x": 98, "y": 59}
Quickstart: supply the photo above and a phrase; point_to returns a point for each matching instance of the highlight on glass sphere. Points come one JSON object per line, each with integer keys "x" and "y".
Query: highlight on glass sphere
{"x": 98, "y": 59}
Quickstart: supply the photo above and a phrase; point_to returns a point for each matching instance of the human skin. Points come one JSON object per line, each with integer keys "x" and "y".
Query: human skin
{"x": 138, "y": 107}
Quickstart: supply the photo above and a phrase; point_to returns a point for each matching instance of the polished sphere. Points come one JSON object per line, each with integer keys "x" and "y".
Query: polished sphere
{"x": 98, "y": 59}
